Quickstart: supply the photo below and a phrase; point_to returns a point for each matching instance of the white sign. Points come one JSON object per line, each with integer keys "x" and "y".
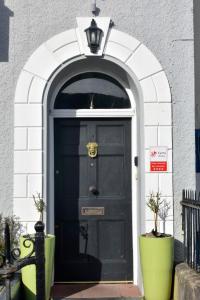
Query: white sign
{"x": 158, "y": 159}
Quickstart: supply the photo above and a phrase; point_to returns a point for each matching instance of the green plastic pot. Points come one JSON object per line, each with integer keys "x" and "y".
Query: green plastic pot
{"x": 157, "y": 256}
{"x": 29, "y": 272}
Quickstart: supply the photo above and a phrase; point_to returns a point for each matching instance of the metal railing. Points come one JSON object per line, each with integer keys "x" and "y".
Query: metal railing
{"x": 13, "y": 263}
{"x": 191, "y": 228}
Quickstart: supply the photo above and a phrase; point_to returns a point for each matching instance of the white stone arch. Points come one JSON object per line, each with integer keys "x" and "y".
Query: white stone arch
{"x": 155, "y": 98}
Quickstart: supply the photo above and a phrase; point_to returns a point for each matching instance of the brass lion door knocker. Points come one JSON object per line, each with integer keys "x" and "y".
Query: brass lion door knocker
{"x": 92, "y": 149}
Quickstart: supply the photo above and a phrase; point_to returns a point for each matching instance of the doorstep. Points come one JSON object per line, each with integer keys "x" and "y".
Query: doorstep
{"x": 98, "y": 291}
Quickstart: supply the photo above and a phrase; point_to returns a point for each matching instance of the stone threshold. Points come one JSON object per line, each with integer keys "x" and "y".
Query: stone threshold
{"x": 121, "y": 298}
{"x": 96, "y": 291}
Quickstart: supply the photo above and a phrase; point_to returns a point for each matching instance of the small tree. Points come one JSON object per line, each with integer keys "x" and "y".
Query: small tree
{"x": 40, "y": 205}
{"x": 154, "y": 203}
{"x": 163, "y": 212}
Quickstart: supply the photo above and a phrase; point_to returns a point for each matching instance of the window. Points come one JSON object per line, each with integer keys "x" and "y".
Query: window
{"x": 92, "y": 91}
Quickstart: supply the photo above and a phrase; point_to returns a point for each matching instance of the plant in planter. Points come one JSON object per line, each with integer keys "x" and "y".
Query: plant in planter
{"x": 29, "y": 272}
{"x": 16, "y": 229}
{"x": 40, "y": 205}
{"x": 11, "y": 252}
{"x": 156, "y": 255}
{"x": 163, "y": 212}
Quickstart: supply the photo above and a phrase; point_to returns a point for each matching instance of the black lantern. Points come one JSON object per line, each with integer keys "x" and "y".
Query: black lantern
{"x": 94, "y": 36}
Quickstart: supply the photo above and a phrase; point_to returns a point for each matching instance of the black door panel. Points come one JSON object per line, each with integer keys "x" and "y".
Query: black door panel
{"x": 93, "y": 200}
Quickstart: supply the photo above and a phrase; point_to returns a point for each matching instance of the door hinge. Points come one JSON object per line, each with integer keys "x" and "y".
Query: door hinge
{"x": 136, "y": 161}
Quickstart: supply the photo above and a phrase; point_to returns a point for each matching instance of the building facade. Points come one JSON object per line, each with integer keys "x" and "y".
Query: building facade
{"x": 135, "y": 98}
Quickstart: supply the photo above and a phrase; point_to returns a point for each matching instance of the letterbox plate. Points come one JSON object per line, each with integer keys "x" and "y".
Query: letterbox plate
{"x": 92, "y": 211}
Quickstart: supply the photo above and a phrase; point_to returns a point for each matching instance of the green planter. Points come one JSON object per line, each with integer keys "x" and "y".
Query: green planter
{"x": 29, "y": 272}
{"x": 156, "y": 255}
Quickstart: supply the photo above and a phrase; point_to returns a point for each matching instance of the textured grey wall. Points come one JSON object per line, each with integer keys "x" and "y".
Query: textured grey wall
{"x": 165, "y": 26}
{"x": 197, "y": 72}
{"x": 197, "y": 59}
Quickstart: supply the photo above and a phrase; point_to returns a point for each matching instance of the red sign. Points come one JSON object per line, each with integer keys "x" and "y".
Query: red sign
{"x": 158, "y": 159}
{"x": 158, "y": 166}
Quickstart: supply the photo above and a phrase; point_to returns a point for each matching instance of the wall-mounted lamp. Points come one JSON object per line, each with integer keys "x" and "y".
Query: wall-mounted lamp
{"x": 94, "y": 36}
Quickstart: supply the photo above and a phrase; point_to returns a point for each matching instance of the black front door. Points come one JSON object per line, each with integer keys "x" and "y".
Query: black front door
{"x": 93, "y": 211}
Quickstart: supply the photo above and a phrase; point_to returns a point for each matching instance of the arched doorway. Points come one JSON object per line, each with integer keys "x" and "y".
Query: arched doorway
{"x": 42, "y": 77}
{"x": 93, "y": 185}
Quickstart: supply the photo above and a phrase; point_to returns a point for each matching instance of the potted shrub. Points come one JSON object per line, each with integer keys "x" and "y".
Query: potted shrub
{"x": 29, "y": 272}
{"x": 16, "y": 230}
{"x": 156, "y": 255}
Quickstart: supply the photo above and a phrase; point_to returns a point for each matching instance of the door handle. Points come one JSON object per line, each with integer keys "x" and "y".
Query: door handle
{"x": 93, "y": 190}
